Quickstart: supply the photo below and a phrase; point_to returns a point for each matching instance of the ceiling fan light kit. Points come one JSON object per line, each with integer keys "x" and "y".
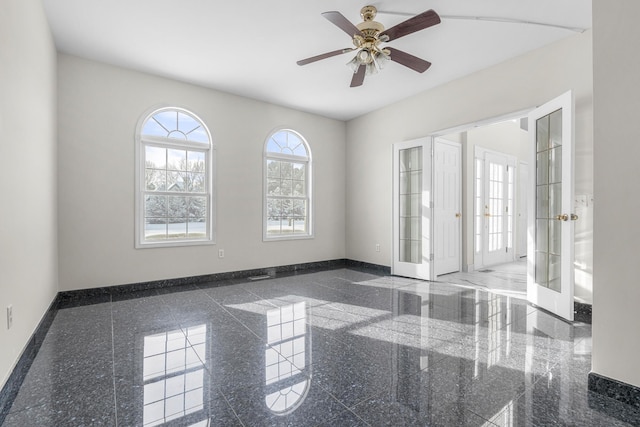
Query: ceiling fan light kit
{"x": 367, "y": 37}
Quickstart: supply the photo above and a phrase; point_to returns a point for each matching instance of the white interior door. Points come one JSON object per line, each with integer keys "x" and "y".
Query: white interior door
{"x": 447, "y": 212}
{"x": 412, "y": 209}
{"x": 551, "y": 221}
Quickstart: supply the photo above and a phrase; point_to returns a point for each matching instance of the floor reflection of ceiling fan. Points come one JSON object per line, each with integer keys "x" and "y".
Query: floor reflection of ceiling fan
{"x": 368, "y": 37}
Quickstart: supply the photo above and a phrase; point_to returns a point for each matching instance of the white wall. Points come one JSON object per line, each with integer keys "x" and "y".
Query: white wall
{"x": 99, "y": 106}
{"x": 514, "y": 85}
{"x": 28, "y": 231}
{"x": 616, "y": 67}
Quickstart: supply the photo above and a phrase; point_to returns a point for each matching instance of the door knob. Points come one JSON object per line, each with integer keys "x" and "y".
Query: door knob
{"x": 458, "y": 215}
{"x": 563, "y": 217}
{"x": 574, "y": 217}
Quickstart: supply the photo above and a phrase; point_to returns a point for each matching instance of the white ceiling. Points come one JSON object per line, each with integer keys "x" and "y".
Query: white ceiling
{"x": 250, "y": 47}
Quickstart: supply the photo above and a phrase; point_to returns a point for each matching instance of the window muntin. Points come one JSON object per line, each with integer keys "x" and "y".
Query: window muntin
{"x": 287, "y": 212}
{"x": 174, "y": 192}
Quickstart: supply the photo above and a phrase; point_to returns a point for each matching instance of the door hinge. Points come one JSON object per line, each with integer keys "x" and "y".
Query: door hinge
{"x": 431, "y": 257}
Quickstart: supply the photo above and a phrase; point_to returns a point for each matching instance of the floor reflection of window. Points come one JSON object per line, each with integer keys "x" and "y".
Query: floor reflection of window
{"x": 173, "y": 374}
{"x": 505, "y": 417}
{"x": 286, "y": 358}
{"x": 494, "y": 326}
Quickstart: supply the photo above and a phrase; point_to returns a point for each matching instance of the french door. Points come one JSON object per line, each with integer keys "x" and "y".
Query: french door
{"x": 412, "y": 209}
{"x": 550, "y": 273}
{"x": 495, "y": 207}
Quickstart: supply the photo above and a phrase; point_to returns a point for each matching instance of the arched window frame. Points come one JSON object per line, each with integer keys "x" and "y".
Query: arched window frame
{"x": 293, "y": 158}
{"x": 201, "y": 143}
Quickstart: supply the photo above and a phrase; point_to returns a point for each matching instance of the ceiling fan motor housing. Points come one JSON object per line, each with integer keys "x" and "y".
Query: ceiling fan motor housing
{"x": 369, "y": 40}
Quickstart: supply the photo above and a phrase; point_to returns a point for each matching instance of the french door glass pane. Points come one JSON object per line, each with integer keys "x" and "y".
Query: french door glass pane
{"x": 548, "y": 200}
{"x": 410, "y": 233}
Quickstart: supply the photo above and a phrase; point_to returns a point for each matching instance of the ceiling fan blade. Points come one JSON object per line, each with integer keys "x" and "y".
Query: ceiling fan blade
{"x": 343, "y": 23}
{"x": 411, "y": 25}
{"x": 323, "y": 56}
{"x": 358, "y": 76}
{"x": 408, "y": 60}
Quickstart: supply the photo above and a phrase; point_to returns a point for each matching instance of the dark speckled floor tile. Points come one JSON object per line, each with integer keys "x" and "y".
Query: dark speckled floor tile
{"x": 294, "y": 402}
{"x": 346, "y": 418}
{"x": 87, "y": 402}
{"x": 328, "y": 348}
{"x": 399, "y": 407}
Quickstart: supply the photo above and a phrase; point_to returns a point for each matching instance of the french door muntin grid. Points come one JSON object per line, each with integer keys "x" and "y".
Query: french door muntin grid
{"x": 548, "y": 200}
{"x": 410, "y": 232}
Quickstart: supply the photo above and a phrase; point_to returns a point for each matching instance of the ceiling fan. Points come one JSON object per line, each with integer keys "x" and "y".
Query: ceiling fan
{"x": 368, "y": 37}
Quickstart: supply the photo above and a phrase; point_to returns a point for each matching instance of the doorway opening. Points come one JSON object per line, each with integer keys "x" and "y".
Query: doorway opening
{"x": 494, "y": 200}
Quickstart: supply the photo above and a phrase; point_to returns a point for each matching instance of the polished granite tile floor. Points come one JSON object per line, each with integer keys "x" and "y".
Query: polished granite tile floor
{"x": 332, "y": 348}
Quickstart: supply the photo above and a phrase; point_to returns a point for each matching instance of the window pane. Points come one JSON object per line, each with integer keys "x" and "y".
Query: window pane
{"x": 273, "y": 169}
{"x": 153, "y": 128}
{"x": 195, "y": 161}
{"x": 177, "y": 160}
{"x": 274, "y": 207}
{"x": 273, "y": 146}
{"x": 197, "y": 207}
{"x": 195, "y": 182}
{"x": 299, "y": 188}
{"x": 167, "y": 119}
{"x": 177, "y": 228}
{"x": 273, "y": 187}
{"x": 155, "y": 157}
{"x": 155, "y": 207}
{"x": 286, "y": 169}
{"x": 186, "y": 123}
{"x": 177, "y": 207}
{"x": 300, "y": 150}
{"x": 280, "y": 139}
{"x": 155, "y": 180}
{"x": 299, "y": 171}
{"x": 299, "y": 208}
{"x": 155, "y": 229}
{"x": 287, "y": 207}
{"x": 197, "y": 228}
{"x": 286, "y": 187}
{"x": 199, "y": 135}
{"x": 299, "y": 225}
{"x": 176, "y": 181}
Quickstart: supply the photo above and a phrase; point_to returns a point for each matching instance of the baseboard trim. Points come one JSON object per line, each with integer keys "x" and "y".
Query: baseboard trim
{"x": 12, "y": 386}
{"x": 350, "y": 263}
{"x": 614, "y": 389}
{"x": 103, "y": 294}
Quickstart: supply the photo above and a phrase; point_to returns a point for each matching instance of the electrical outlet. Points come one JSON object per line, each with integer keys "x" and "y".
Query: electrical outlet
{"x": 220, "y": 253}
{"x": 9, "y": 316}
{"x": 377, "y": 247}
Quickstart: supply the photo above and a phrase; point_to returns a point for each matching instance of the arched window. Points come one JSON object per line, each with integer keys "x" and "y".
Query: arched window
{"x": 174, "y": 161}
{"x": 287, "y": 183}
